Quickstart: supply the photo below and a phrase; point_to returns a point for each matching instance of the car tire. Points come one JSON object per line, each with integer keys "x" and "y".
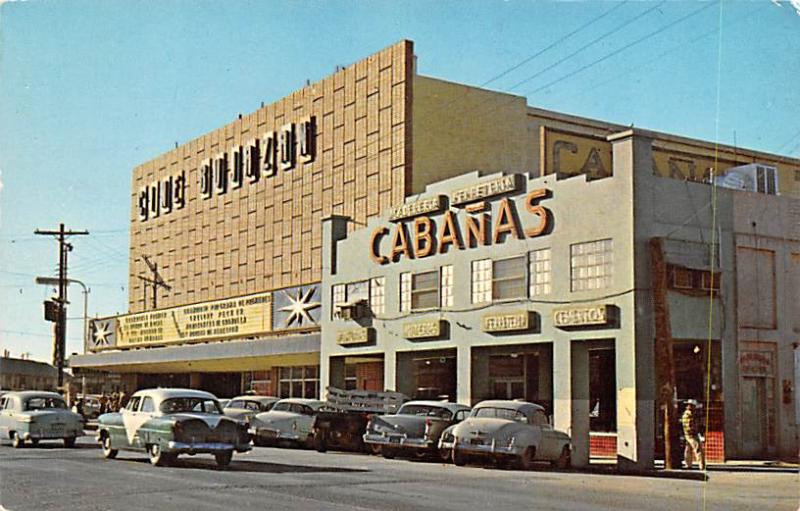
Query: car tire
{"x": 388, "y": 452}
{"x": 564, "y": 460}
{"x": 17, "y": 442}
{"x": 525, "y": 460}
{"x": 34, "y": 442}
{"x": 69, "y": 442}
{"x": 157, "y": 456}
{"x": 108, "y": 452}
{"x": 320, "y": 442}
{"x": 459, "y": 458}
{"x": 223, "y": 458}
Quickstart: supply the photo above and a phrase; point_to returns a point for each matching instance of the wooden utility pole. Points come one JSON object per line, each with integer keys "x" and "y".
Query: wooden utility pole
{"x": 60, "y": 342}
{"x": 665, "y": 366}
{"x": 156, "y": 281}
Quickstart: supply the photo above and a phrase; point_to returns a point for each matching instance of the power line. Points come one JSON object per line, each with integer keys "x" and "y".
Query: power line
{"x": 627, "y": 46}
{"x": 590, "y": 43}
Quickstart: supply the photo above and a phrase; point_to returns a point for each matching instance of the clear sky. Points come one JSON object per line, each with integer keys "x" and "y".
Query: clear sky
{"x": 88, "y": 90}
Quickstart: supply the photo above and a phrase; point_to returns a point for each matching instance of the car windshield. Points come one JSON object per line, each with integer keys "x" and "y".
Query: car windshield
{"x": 190, "y": 404}
{"x": 426, "y": 410}
{"x": 43, "y": 403}
{"x": 500, "y": 413}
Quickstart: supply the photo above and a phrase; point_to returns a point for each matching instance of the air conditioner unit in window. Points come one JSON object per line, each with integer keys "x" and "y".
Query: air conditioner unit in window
{"x": 754, "y": 177}
{"x": 352, "y": 310}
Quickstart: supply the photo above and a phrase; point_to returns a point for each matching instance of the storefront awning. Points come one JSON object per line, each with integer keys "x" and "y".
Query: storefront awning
{"x": 225, "y": 356}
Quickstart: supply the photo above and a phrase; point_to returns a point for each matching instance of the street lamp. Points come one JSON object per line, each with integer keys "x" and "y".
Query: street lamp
{"x": 53, "y": 281}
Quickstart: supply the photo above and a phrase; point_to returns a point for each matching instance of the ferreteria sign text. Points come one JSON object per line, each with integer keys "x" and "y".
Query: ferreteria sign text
{"x": 423, "y": 235}
{"x": 240, "y": 165}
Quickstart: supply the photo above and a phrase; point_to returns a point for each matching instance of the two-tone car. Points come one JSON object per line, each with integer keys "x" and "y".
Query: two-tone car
{"x": 165, "y": 423}
{"x": 31, "y": 416}
{"x": 415, "y": 429}
{"x": 290, "y": 421}
{"x": 244, "y": 408}
{"x": 507, "y": 431}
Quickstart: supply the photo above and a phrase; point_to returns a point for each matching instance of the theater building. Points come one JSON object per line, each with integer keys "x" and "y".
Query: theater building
{"x": 243, "y": 240}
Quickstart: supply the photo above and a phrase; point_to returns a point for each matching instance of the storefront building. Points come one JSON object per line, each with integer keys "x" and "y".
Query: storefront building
{"x": 500, "y": 285}
{"x": 232, "y": 241}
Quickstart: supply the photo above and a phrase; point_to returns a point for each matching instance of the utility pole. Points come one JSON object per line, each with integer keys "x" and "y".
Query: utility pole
{"x": 60, "y": 342}
{"x": 156, "y": 281}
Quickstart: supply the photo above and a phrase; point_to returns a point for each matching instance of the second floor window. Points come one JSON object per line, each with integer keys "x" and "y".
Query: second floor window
{"x": 510, "y": 278}
{"x": 591, "y": 265}
{"x": 425, "y": 290}
{"x": 540, "y": 272}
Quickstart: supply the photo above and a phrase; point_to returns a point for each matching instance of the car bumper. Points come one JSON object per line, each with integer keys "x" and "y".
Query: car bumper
{"x": 276, "y": 434}
{"x": 202, "y": 447}
{"x": 398, "y": 441}
{"x": 52, "y": 434}
{"x": 491, "y": 449}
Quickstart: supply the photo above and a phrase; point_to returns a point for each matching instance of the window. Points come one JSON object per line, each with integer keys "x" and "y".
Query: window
{"x": 482, "y": 281}
{"x": 148, "y": 405}
{"x": 756, "y": 287}
{"x": 709, "y": 282}
{"x": 298, "y": 381}
{"x": 590, "y": 265}
{"x": 425, "y": 290}
{"x": 357, "y": 291}
{"x": 338, "y": 297}
{"x": 509, "y": 279}
{"x": 405, "y": 292}
{"x": 540, "y": 271}
{"x": 446, "y": 285}
{"x": 682, "y": 278}
{"x": 133, "y": 404}
{"x": 377, "y": 295}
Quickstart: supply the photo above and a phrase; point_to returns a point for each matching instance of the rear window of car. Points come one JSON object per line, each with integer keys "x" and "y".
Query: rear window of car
{"x": 426, "y": 410}
{"x": 190, "y": 404}
{"x": 500, "y": 413}
{"x": 282, "y": 407}
{"x": 43, "y": 403}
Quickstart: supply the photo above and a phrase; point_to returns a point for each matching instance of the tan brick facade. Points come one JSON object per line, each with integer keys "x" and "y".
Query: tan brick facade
{"x": 267, "y": 235}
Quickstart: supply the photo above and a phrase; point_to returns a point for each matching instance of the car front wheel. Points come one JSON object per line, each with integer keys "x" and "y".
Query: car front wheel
{"x": 69, "y": 442}
{"x": 564, "y": 461}
{"x": 17, "y": 441}
{"x": 158, "y": 457}
{"x": 525, "y": 460}
{"x": 108, "y": 452}
{"x": 459, "y": 458}
{"x": 223, "y": 458}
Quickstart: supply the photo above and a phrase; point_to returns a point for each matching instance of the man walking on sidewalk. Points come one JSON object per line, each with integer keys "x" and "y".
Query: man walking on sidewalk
{"x": 694, "y": 446}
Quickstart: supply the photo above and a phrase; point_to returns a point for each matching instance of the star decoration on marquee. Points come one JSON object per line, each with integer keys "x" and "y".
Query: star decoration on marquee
{"x": 299, "y": 308}
{"x": 102, "y": 333}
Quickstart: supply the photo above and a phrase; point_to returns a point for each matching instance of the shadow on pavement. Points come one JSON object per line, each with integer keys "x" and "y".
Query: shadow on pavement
{"x": 248, "y": 466}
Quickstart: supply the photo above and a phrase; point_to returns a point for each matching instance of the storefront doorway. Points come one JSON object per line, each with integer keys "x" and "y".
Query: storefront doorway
{"x": 602, "y": 403}
{"x": 522, "y": 371}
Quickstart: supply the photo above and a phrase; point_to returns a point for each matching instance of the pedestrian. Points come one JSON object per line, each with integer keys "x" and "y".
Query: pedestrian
{"x": 114, "y": 402}
{"x": 103, "y": 403}
{"x": 121, "y": 400}
{"x": 694, "y": 442}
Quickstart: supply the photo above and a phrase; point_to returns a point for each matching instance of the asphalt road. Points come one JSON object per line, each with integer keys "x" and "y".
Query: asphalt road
{"x": 55, "y": 478}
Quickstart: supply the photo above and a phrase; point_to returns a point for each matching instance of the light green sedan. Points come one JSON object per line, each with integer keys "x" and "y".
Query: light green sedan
{"x": 31, "y": 416}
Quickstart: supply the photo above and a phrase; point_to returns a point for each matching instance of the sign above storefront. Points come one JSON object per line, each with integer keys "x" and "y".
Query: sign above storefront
{"x": 355, "y": 336}
{"x": 506, "y": 321}
{"x": 229, "y": 170}
{"x": 590, "y": 315}
{"x": 417, "y": 208}
{"x": 426, "y": 236}
{"x": 221, "y": 319}
{"x": 423, "y": 329}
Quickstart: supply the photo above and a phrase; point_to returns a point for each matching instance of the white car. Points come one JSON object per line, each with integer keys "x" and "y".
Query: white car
{"x": 289, "y": 421}
{"x": 30, "y": 416}
{"x": 507, "y": 431}
{"x": 244, "y": 408}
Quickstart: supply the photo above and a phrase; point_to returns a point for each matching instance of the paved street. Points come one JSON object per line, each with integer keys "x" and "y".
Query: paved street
{"x": 57, "y": 478}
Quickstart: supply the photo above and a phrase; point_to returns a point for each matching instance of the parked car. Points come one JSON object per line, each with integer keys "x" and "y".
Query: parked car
{"x": 415, "y": 428}
{"x": 289, "y": 421}
{"x": 30, "y": 416}
{"x": 90, "y": 404}
{"x": 244, "y": 408}
{"x": 507, "y": 431}
{"x": 165, "y": 423}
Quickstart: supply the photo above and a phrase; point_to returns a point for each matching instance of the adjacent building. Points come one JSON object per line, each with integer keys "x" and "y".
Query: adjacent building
{"x": 25, "y": 374}
{"x": 384, "y": 230}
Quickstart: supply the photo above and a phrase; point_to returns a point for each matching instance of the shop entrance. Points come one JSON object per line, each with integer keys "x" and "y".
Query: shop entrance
{"x": 363, "y": 373}
{"x": 429, "y": 374}
{"x": 222, "y": 385}
{"x": 754, "y": 416}
{"x": 513, "y": 372}
{"x": 602, "y": 403}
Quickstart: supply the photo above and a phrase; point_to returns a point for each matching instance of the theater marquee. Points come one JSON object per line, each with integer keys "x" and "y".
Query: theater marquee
{"x": 222, "y": 319}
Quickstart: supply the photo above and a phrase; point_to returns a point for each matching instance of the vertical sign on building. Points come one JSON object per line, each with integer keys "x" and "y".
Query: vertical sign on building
{"x": 251, "y": 159}
{"x": 269, "y": 148}
{"x": 206, "y": 179}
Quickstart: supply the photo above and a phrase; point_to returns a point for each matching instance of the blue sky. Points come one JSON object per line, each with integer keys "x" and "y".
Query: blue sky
{"x": 88, "y": 90}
